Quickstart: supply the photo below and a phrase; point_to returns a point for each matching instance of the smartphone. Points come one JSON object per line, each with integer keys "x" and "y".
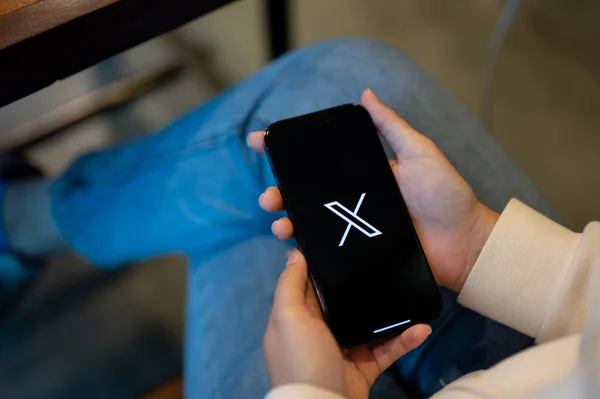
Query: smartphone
{"x": 365, "y": 261}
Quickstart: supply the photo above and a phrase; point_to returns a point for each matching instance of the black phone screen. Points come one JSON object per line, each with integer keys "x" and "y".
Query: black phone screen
{"x": 365, "y": 261}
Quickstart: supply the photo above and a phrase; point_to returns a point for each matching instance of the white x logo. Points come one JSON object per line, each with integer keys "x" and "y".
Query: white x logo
{"x": 353, "y": 219}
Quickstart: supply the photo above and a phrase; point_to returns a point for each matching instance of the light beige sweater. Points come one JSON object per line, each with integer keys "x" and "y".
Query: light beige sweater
{"x": 543, "y": 280}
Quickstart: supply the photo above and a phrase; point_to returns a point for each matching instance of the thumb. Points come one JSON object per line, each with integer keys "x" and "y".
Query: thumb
{"x": 389, "y": 351}
{"x": 404, "y": 140}
{"x": 291, "y": 287}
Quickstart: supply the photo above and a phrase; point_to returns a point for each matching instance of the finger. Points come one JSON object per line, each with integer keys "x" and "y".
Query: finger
{"x": 271, "y": 200}
{"x": 389, "y": 351}
{"x": 256, "y": 141}
{"x": 291, "y": 287}
{"x": 283, "y": 229}
{"x": 398, "y": 133}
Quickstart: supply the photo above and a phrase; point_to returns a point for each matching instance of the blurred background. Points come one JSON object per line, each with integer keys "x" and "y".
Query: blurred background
{"x": 546, "y": 90}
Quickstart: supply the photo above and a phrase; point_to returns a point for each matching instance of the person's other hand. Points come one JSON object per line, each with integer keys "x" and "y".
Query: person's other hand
{"x": 451, "y": 223}
{"x": 299, "y": 348}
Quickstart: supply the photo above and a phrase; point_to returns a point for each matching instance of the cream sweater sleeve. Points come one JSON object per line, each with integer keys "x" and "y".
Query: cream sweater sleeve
{"x": 301, "y": 391}
{"x": 533, "y": 275}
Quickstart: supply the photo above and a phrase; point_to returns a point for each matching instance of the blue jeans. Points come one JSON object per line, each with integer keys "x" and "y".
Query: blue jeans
{"x": 193, "y": 188}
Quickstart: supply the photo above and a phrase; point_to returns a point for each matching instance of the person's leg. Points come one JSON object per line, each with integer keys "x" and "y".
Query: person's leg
{"x": 230, "y": 297}
{"x": 114, "y": 191}
{"x": 309, "y": 79}
{"x": 29, "y": 228}
{"x": 193, "y": 186}
{"x": 22, "y": 242}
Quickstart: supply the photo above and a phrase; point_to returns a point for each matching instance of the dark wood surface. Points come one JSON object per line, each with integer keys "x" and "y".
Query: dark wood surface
{"x": 22, "y": 19}
{"x": 42, "y": 41}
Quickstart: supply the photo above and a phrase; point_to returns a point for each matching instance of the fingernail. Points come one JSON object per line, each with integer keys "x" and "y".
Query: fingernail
{"x": 248, "y": 138}
{"x": 415, "y": 336}
{"x": 260, "y": 197}
{"x": 371, "y": 94}
{"x": 293, "y": 256}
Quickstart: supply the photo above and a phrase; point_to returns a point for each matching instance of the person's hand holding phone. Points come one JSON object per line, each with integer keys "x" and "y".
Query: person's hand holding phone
{"x": 299, "y": 348}
{"x": 451, "y": 223}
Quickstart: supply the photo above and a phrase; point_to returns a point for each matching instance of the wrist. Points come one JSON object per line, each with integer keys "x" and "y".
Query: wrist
{"x": 484, "y": 224}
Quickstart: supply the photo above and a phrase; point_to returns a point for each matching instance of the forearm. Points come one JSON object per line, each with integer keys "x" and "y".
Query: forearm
{"x": 28, "y": 223}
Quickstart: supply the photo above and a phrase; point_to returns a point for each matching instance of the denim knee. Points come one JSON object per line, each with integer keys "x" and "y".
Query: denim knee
{"x": 365, "y": 57}
{"x": 335, "y": 72}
